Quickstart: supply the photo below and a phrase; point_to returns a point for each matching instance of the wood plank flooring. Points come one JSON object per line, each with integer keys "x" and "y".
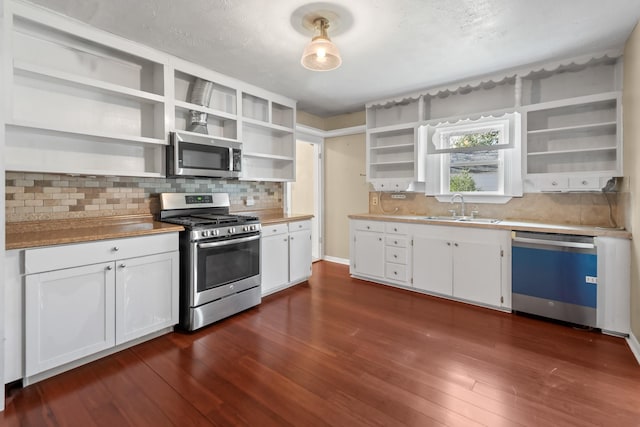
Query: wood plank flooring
{"x": 344, "y": 352}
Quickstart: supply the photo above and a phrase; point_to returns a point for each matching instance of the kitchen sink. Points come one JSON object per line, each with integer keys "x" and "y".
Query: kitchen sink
{"x": 463, "y": 219}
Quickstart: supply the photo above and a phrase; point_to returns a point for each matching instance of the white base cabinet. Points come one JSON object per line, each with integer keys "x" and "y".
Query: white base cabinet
{"x": 285, "y": 255}
{"x": 463, "y": 263}
{"x": 367, "y": 249}
{"x": 127, "y": 289}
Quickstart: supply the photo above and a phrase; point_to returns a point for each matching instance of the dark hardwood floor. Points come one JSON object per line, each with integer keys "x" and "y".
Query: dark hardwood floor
{"x": 344, "y": 352}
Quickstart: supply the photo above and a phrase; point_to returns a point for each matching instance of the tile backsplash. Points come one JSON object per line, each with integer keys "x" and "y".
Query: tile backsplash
{"x": 593, "y": 209}
{"x": 41, "y": 196}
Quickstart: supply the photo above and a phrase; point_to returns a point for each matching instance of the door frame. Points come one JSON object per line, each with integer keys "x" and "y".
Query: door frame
{"x": 318, "y": 148}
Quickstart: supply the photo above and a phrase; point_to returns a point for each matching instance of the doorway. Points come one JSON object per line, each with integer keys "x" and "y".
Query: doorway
{"x": 305, "y": 194}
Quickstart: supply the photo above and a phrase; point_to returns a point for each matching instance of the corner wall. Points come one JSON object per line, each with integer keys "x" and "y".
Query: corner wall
{"x": 631, "y": 187}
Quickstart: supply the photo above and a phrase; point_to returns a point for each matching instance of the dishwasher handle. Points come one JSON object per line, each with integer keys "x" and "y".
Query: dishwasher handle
{"x": 555, "y": 243}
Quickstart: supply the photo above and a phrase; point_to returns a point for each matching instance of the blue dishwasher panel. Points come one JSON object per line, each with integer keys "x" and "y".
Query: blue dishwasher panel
{"x": 555, "y": 275}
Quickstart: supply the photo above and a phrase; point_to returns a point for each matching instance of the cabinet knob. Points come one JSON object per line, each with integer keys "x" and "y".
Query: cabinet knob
{"x": 395, "y": 229}
{"x": 284, "y": 240}
{"x": 109, "y": 268}
{"x": 448, "y": 243}
{"x": 554, "y": 183}
{"x": 274, "y": 230}
{"x": 123, "y": 265}
{"x": 395, "y": 242}
{"x": 291, "y": 237}
{"x": 379, "y": 239}
{"x": 395, "y": 256}
{"x": 395, "y": 273}
{"x": 584, "y": 182}
{"x": 368, "y": 228}
{"x": 455, "y": 244}
{"x": 116, "y": 249}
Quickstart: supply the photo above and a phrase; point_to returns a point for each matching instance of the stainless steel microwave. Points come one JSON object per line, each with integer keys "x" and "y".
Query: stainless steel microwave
{"x": 195, "y": 155}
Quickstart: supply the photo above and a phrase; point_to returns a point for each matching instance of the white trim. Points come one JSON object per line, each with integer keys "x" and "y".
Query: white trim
{"x": 4, "y": 64}
{"x": 502, "y": 76}
{"x": 634, "y": 345}
{"x": 320, "y": 133}
{"x": 336, "y": 260}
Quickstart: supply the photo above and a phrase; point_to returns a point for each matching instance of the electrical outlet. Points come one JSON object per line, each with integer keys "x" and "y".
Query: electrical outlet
{"x": 374, "y": 200}
{"x": 591, "y": 279}
{"x": 399, "y": 196}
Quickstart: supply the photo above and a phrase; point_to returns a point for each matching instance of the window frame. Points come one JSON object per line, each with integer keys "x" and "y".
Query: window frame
{"x": 509, "y": 157}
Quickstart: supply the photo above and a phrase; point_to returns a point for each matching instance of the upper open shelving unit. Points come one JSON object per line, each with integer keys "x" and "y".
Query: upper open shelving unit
{"x": 571, "y": 123}
{"x": 82, "y": 101}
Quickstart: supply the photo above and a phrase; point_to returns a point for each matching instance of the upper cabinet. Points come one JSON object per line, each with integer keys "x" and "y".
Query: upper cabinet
{"x": 571, "y": 125}
{"x": 268, "y": 137}
{"x": 83, "y": 101}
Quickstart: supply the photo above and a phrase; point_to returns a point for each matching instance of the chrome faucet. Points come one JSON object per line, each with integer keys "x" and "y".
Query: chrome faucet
{"x": 453, "y": 199}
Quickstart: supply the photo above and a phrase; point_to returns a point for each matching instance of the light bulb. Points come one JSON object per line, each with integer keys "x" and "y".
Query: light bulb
{"x": 321, "y": 53}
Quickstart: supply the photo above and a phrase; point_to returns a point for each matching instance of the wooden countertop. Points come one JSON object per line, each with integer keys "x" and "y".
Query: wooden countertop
{"x": 20, "y": 235}
{"x": 506, "y": 224}
{"x": 271, "y": 219}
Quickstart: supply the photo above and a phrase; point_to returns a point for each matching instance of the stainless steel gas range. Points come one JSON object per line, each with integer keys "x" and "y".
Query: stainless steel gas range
{"x": 219, "y": 257}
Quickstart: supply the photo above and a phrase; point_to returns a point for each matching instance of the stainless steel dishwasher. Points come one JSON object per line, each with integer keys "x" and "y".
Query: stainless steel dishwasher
{"x": 555, "y": 276}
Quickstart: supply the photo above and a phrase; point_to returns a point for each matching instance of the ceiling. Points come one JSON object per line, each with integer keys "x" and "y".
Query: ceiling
{"x": 388, "y": 47}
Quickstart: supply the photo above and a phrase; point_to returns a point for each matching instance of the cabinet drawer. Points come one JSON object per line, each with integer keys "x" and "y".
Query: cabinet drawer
{"x": 76, "y": 254}
{"x": 273, "y": 230}
{"x": 400, "y": 242}
{"x": 584, "y": 183}
{"x": 397, "y": 255}
{"x": 299, "y": 225}
{"x": 396, "y": 271}
{"x": 396, "y": 228}
{"x": 370, "y": 226}
{"x": 552, "y": 183}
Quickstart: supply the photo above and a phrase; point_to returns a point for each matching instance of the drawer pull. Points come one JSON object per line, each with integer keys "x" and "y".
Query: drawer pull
{"x": 395, "y": 242}
{"x": 116, "y": 249}
{"x": 368, "y": 228}
{"x": 395, "y": 256}
{"x": 395, "y": 229}
{"x": 584, "y": 182}
{"x": 554, "y": 183}
{"x": 380, "y": 239}
{"x": 123, "y": 265}
{"x": 109, "y": 268}
{"x": 448, "y": 243}
{"x": 455, "y": 244}
{"x": 395, "y": 273}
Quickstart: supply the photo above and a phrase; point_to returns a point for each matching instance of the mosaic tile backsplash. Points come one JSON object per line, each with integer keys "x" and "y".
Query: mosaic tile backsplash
{"x": 40, "y": 196}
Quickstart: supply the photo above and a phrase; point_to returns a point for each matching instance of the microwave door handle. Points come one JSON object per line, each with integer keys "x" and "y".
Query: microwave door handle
{"x": 227, "y": 242}
{"x": 230, "y": 159}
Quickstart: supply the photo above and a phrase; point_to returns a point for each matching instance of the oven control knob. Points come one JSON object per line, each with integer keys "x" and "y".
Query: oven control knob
{"x": 215, "y": 232}
{"x": 232, "y": 230}
{"x": 245, "y": 228}
{"x": 205, "y": 233}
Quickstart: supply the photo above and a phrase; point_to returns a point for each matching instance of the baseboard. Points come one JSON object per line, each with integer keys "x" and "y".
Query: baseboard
{"x": 634, "y": 345}
{"x": 336, "y": 260}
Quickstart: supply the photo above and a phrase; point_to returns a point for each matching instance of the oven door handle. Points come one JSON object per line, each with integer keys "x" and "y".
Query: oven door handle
{"x": 227, "y": 242}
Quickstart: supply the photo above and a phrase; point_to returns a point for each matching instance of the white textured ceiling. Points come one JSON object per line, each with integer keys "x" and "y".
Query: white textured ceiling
{"x": 389, "y": 47}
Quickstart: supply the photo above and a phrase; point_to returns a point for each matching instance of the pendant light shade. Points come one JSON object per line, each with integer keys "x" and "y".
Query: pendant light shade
{"x": 321, "y": 54}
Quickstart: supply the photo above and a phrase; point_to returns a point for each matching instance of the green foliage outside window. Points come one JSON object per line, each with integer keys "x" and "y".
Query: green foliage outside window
{"x": 462, "y": 182}
{"x": 484, "y": 139}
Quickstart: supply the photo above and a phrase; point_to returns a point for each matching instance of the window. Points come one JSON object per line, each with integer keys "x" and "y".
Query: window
{"x": 478, "y": 158}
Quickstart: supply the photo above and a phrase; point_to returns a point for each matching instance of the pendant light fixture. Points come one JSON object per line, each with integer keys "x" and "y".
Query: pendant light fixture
{"x": 321, "y": 54}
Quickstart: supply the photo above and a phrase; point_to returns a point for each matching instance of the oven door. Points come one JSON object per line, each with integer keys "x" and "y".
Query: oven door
{"x": 224, "y": 267}
{"x": 210, "y": 158}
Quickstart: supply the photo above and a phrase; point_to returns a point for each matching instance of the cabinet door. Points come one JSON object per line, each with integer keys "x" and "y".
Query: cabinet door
{"x": 477, "y": 272}
{"x": 299, "y": 256}
{"x": 274, "y": 262}
{"x": 369, "y": 254}
{"x": 69, "y": 314}
{"x": 433, "y": 265}
{"x": 146, "y": 295}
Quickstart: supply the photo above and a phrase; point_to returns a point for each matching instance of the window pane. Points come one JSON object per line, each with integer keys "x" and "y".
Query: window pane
{"x": 474, "y": 178}
{"x": 473, "y": 138}
{"x": 474, "y": 157}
